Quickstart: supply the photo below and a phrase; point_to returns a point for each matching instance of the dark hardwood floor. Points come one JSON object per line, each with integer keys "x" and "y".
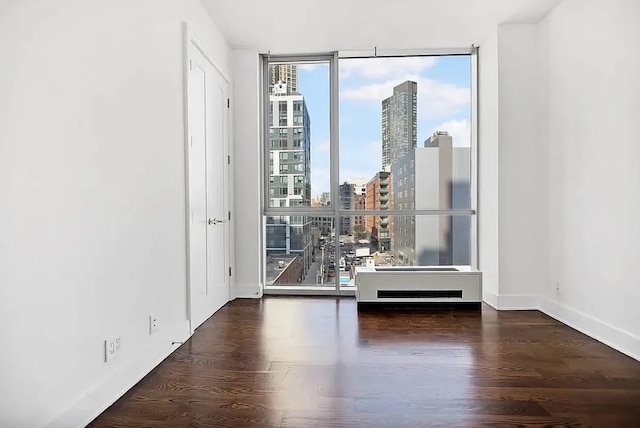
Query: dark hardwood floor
{"x": 317, "y": 362}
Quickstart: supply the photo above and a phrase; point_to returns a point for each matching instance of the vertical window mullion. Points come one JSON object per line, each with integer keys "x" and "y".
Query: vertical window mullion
{"x": 334, "y": 150}
{"x": 474, "y": 160}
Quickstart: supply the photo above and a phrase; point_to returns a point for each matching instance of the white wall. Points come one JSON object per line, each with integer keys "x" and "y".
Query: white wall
{"x": 591, "y": 74}
{"x": 488, "y": 256}
{"x": 248, "y": 193}
{"x": 92, "y": 221}
{"x": 522, "y": 170}
{"x": 248, "y": 170}
{"x": 559, "y": 183}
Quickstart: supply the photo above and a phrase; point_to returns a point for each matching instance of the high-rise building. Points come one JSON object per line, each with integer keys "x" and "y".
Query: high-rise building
{"x": 377, "y": 198}
{"x": 399, "y": 123}
{"x": 324, "y": 224}
{"x": 359, "y": 185}
{"x": 358, "y": 203}
{"x": 283, "y": 73}
{"x": 324, "y": 198}
{"x": 289, "y": 174}
{"x": 433, "y": 177}
{"x": 346, "y": 203}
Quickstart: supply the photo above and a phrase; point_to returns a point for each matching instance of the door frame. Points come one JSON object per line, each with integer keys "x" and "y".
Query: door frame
{"x": 191, "y": 39}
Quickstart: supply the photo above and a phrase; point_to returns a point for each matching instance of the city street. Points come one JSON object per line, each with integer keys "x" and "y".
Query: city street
{"x": 312, "y": 274}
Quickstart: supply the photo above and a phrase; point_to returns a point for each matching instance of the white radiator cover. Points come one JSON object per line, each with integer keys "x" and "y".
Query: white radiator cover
{"x": 418, "y": 284}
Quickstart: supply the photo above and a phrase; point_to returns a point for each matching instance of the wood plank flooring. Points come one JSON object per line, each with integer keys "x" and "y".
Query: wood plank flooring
{"x": 318, "y": 362}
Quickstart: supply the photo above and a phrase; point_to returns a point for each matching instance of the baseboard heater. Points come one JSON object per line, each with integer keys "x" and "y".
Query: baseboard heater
{"x": 424, "y": 285}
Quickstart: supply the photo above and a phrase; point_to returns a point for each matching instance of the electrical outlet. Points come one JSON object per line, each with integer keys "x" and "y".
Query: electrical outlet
{"x": 112, "y": 348}
{"x": 153, "y": 324}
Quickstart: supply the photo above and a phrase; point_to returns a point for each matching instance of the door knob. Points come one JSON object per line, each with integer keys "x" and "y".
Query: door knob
{"x": 215, "y": 221}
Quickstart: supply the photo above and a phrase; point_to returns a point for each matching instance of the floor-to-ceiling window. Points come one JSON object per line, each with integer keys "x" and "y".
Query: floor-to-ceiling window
{"x": 367, "y": 158}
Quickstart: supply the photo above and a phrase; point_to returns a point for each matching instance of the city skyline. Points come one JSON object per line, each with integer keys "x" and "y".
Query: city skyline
{"x": 389, "y": 180}
{"x": 443, "y": 104}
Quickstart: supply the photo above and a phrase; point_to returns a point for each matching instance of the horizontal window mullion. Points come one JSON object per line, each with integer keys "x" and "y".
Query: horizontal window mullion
{"x": 276, "y": 59}
{"x": 306, "y": 211}
{"x": 406, "y": 212}
{"x": 394, "y": 53}
{"x": 328, "y": 212}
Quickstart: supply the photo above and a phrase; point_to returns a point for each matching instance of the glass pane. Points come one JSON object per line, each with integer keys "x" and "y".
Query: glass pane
{"x": 407, "y": 119}
{"x": 416, "y": 240}
{"x": 298, "y": 144}
{"x": 300, "y": 251}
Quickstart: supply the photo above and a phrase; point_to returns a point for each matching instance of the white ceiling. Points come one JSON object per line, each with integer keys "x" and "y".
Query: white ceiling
{"x": 294, "y": 26}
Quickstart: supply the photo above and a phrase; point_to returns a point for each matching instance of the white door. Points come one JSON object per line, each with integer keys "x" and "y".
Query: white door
{"x": 207, "y": 190}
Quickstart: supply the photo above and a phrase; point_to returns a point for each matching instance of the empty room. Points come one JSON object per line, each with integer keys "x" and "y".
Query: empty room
{"x": 319, "y": 214}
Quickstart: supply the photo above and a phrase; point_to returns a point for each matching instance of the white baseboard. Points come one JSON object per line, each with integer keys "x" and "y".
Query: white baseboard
{"x": 490, "y": 298}
{"x": 96, "y": 401}
{"x": 617, "y": 339}
{"x": 511, "y": 302}
{"x": 614, "y": 337}
{"x": 249, "y": 291}
{"x": 518, "y": 302}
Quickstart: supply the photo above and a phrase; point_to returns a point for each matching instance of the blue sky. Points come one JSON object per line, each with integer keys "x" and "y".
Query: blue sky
{"x": 443, "y": 104}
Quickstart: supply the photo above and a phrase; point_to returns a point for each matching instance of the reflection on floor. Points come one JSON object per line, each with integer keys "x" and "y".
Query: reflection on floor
{"x": 317, "y": 362}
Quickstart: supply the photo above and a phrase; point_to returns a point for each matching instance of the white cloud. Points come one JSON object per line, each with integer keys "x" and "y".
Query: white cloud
{"x": 459, "y": 130}
{"x": 435, "y": 98}
{"x": 309, "y": 66}
{"x": 371, "y": 92}
{"x": 384, "y": 68}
